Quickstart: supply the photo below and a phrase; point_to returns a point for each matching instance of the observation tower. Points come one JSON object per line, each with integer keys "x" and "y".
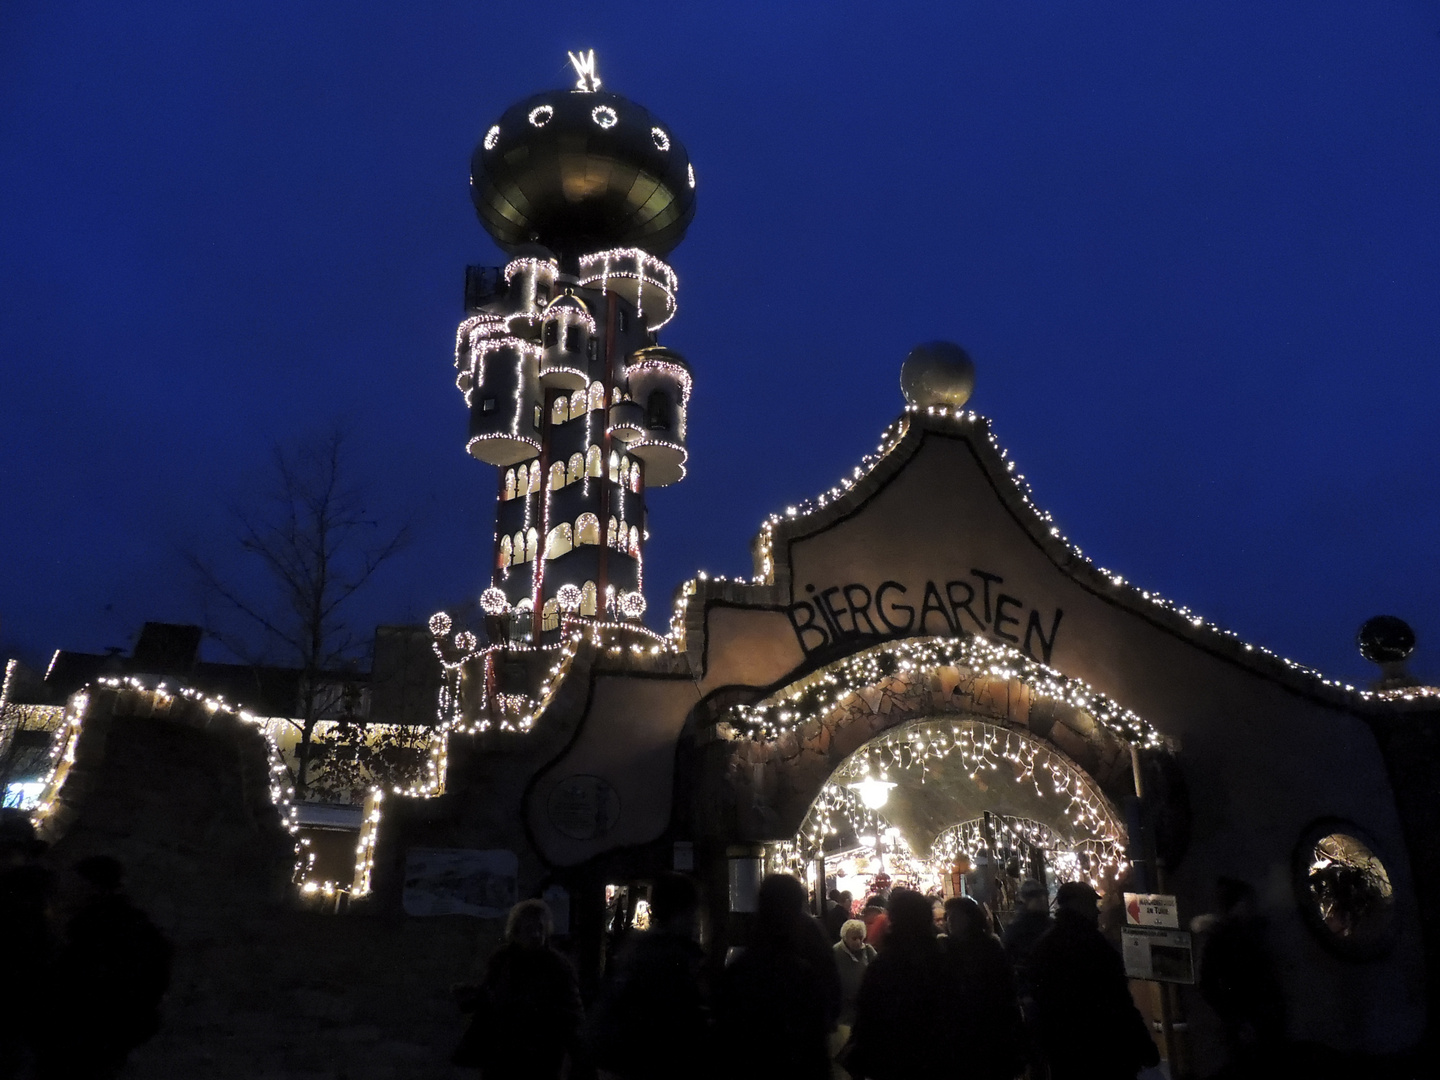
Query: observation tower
{"x": 571, "y": 395}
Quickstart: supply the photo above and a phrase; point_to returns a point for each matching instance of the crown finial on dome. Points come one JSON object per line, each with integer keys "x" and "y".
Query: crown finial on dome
{"x": 584, "y": 65}
{"x": 937, "y": 373}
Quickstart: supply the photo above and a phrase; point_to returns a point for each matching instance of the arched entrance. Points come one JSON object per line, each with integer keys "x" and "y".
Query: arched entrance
{"x": 956, "y": 804}
{"x": 1000, "y": 768}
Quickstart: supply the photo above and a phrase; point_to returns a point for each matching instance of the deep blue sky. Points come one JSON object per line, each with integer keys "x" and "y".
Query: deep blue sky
{"x": 1192, "y": 248}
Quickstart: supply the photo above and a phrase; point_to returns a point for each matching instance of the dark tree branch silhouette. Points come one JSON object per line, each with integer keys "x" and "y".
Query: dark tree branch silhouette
{"x": 317, "y": 547}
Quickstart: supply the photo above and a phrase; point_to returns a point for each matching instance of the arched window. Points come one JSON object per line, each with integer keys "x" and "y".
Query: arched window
{"x": 552, "y": 333}
{"x": 634, "y": 541}
{"x": 510, "y": 489}
{"x": 657, "y": 411}
{"x": 587, "y": 529}
{"x": 597, "y": 396}
{"x": 611, "y": 531}
{"x": 574, "y": 468}
{"x": 614, "y": 466}
{"x": 550, "y": 615}
{"x": 558, "y": 542}
{"x": 505, "y": 549}
{"x": 587, "y": 596}
{"x": 557, "y": 475}
{"x": 592, "y": 462}
{"x": 534, "y": 484}
{"x": 560, "y": 410}
{"x": 635, "y": 478}
{"x": 616, "y": 395}
{"x": 532, "y": 545}
{"x": 578, "y": 402}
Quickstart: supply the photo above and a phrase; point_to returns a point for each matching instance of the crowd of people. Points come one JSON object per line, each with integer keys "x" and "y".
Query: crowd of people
{"x": 911, "y": 988}
{"x": 83, "y": 971}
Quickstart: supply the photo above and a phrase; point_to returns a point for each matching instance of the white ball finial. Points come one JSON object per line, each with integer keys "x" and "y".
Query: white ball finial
{"x": 937, "y": 373}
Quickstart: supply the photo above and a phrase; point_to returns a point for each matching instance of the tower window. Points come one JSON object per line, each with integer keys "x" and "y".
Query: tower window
{"x": 487, "y": 405}
{"x": 624, "y": 320}
{"x": 572, "y": 338}
{"x": 591, "y": 348}
{"x": 552, "y": 333}
{"x": 657, "y": 410}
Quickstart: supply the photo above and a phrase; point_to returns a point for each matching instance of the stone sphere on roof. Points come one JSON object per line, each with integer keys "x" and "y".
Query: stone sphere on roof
{"x": 1385, "y": 639}
{"x": 937, "y": 373}
{"x": 580, "y": 171}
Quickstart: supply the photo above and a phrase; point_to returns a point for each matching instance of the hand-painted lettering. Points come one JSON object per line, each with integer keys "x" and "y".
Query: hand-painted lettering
{"x": 856, "y": 611}
{"x": 895, "y": 628}
{"x": 1002, "y": 619}
{"x": 933, "y": 603}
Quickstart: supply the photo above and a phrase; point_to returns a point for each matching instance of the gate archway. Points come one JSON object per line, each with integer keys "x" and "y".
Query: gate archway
{"x": 1050, "y": 758}
{"x": 958, "y": 804}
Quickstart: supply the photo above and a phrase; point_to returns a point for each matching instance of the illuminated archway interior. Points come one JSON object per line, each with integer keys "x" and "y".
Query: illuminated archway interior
{"x": 950, "y": 805}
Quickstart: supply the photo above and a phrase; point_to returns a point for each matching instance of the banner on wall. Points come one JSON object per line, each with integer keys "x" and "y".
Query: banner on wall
{"x": 460, "y": 881}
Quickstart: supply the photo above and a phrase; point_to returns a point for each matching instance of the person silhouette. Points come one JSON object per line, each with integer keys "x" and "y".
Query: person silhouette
{"x": 527, "y": 1007}
{"x": 111, "y": 974}
{"x": 1089, "y": 1026}
{"x": 653, "y": 1019}
{"x": 780, "y": 997}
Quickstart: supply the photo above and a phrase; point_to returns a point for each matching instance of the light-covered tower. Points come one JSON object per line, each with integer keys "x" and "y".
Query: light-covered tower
{"x": 570, "y": 393}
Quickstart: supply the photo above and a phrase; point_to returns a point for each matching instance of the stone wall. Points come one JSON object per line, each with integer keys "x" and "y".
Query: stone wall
{"x": 261, "y": 988}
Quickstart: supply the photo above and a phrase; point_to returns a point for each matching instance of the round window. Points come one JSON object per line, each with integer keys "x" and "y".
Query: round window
{"x": 1344, "y": 890}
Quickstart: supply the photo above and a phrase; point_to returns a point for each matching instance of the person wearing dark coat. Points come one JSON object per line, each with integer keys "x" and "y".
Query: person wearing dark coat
{"x": 1089, "y": 1026}
{"x": 109, "y": 978}
{"x": 29, "y": 944}
{"x": 527, "y": 1007}
{"x": 780, "y": 997}
{"x": 984, "y": 1030}
{"x": 1026, "y": 929}
{"x": 1238, "y": 981}
{"x": 653, "y": 1020}
{"x": 837, "y": 914}
{"x": 907, "y": 1002}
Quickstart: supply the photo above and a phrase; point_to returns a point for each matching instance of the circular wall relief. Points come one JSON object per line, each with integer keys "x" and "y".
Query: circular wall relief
{"x": 1344, "y": 890}
{"x": 584, "y": 807}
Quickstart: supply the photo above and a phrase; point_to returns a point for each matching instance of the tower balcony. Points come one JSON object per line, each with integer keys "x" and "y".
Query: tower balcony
{"x": 653, "y": 421}
{"x": 530, "y": 281}
{"x": 648, "y": 283}
{"x": 501, "y": 383}
{"x": 568, "y": 344}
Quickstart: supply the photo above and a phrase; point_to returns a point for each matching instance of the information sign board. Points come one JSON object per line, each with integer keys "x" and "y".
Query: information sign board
{"x": 1152, "y": 909}
{"x": 1158, "y": 955}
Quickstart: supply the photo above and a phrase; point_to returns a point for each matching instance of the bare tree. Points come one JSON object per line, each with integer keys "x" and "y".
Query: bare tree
{"x": 316, "y": 547}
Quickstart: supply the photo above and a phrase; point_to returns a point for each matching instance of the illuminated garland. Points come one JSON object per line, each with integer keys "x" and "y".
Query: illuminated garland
{"x": 826, "y": 689}
{"x": 282, "y": 792}
{"x": 632, "y": 264}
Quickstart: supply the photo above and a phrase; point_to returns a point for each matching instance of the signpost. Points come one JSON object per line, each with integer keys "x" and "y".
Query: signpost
{"x": 1152, "y": 943}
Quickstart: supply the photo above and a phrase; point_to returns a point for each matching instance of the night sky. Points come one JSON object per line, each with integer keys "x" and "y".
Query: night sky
{"x": 1191, "y": 247}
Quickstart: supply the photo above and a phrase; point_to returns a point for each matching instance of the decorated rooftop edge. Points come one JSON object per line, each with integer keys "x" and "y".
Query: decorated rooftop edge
{"x": 900, "y": 441}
